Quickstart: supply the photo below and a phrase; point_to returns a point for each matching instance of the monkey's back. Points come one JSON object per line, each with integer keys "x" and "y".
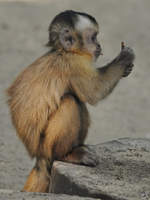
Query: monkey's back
{"x": 33, "y": 96}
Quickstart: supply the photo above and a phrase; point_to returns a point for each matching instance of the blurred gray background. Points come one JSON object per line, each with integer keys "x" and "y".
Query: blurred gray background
{"x": 23, "y": 34}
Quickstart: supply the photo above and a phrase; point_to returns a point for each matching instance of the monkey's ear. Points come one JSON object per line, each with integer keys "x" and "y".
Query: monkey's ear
{"x": 66, "y": 39}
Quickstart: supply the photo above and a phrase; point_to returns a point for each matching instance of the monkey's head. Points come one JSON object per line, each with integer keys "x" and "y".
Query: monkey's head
{"x": 75, "y": 32}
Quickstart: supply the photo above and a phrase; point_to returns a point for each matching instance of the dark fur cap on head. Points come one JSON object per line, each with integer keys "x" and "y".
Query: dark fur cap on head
{"x": 66, "y": 19}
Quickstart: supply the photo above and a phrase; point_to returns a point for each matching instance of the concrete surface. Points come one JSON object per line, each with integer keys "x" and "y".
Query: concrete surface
{"x": 23, "y": 33}
{"x": 123, "y": 172}
{"x": 14, "y": 195}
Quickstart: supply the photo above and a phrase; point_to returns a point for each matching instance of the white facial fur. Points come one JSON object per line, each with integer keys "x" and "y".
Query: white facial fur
{"x": 83, "y": 23}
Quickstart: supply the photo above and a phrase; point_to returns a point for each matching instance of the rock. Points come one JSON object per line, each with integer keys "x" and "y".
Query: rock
{"x": 123, "y": 172}
{"x": 11, "y": 195}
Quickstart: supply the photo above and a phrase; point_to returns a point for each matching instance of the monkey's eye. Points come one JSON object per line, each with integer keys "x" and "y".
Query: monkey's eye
{"x": 93, "y": 38}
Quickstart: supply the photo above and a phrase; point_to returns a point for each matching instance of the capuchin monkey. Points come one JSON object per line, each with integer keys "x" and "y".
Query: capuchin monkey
{"x": 48, "y": 99}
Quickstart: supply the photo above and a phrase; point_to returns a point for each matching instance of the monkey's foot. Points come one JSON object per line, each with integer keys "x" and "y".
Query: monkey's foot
{"x": 82, "y": 156}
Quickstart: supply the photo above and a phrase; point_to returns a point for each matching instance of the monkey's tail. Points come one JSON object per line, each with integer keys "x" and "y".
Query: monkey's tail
{"x": 39, "y": 178}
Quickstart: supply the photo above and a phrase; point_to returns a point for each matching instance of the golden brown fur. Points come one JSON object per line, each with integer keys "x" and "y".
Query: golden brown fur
{"x": 37, "y": 93}
{"x": 48, "y": 119}
{"x": 47, "y": 107}
{"x": 48, "y": 99}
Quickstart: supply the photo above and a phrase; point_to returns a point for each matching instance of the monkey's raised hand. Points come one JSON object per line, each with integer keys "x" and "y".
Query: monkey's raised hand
{"x": 126, "y": 58}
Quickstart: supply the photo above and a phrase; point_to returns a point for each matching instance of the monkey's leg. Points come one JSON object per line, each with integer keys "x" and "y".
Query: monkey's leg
{"x": 59, "y": 138}
{"x": 81, "y": 154}
{"x": 62, "y": 132}
{"x": 39, "y": 178}
{"x": 67, "y": 131}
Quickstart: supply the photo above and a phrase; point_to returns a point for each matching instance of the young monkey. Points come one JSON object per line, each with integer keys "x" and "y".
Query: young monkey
{"x": 48, "y": 99}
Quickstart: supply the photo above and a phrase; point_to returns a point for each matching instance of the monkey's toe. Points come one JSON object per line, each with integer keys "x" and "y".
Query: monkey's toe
{"x": 90, "y": 161}
{"x": 82, "y": 155}
{"x": 89, "y": 157}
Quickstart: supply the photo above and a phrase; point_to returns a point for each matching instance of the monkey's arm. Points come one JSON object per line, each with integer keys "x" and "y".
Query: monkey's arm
{"x": 91, "y": 88}
{"x": 120, "y": 67}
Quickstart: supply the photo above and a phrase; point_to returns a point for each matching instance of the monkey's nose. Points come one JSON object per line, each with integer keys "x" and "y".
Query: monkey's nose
{"x": 99, "y": 49}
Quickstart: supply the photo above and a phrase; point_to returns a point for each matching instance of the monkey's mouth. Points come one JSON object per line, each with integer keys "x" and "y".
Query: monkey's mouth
{"x": 97, "y": 54}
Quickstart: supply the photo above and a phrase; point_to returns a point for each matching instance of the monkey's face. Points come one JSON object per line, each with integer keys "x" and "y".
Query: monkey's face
{"x": 90, "y": 42}
{"x": 75, "y": 32}
{"x": 88, "y": 29}
{"x": 82, "y": 42}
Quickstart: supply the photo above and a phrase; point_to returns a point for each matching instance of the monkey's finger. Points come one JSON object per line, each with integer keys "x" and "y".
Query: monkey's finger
{"x": 126, "y": 73}
{"x": 129, "y": 69}
{"x": 131, "y": 65}
{"x": 122, "y": 45}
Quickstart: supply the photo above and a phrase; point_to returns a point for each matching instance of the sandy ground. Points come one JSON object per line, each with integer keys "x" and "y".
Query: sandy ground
{"x": 23, "y": 33}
